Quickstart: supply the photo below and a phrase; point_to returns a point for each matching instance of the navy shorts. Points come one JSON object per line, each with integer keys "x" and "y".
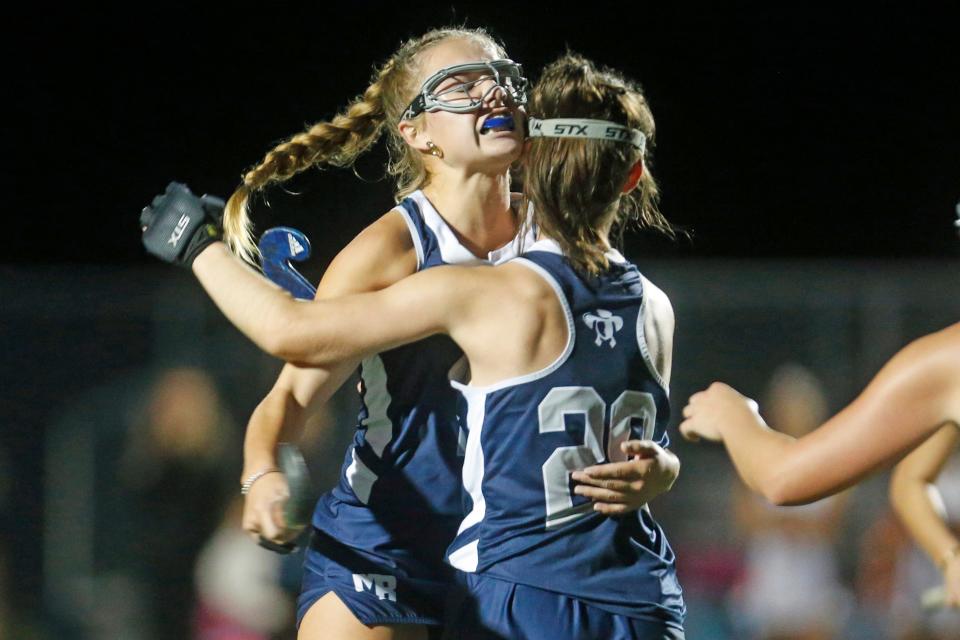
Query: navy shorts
{"x": 496, "y": 609}
{"x": 377, "y": 592}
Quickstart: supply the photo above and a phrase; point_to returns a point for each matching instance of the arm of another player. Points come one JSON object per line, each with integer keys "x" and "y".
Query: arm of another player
{"x": 618, "y": 487}
{"x": 381, "y": 254}
{"x": 917, "y": 502}
{"x": 326, "y": 331}
{"x": 913, "y": 395}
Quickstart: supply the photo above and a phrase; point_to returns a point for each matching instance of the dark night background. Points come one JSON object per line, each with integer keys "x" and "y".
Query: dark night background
{"x": 797, "y": 131}
{"x": 784, "y": 130}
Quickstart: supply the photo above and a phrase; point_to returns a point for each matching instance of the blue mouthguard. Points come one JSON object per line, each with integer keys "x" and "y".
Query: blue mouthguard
{"x": 505, "y": 120}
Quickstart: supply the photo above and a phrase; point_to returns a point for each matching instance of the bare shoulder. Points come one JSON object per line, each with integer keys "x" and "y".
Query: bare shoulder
{"x": 376, "y": 258}
{"x": 927, "y": 370}
{"x": 513, "y": 321}
{"x": 938, "y": 351}
{"x": 521, "y": 283}
{"x": 948, "y": 339}
{"x": 508, "y": 293}
{"x": 496, "y": 288}
{"x": 529, "y": 299}
{"x": 943, "y": 349}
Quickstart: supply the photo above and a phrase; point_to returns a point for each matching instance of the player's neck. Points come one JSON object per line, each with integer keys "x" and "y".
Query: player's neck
{"x": 477, "y": 207}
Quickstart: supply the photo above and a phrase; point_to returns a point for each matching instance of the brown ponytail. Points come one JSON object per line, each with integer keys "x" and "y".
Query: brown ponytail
{"x": 574, "y": 185}
{"x": 347, "y": 136}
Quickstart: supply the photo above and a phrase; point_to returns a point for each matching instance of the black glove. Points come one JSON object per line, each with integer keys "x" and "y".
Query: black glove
{"x": 178, "y": 225}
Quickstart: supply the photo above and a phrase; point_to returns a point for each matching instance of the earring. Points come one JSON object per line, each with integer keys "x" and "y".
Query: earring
{"x": 434, "y": 149}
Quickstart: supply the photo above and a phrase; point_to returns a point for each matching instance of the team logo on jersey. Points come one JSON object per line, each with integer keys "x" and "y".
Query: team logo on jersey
{"x": 385, "y": 587}
{"x": 605, "y": 324}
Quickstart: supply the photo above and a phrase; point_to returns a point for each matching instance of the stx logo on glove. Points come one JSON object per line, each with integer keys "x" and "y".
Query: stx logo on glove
{"x": 178, "y": 225}
{"x": 178, "y": 231}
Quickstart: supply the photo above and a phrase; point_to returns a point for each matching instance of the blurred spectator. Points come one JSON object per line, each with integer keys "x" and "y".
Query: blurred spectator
{"x": 791, "y": 588}
{"x": 238, "y": 587}
{"x": 177, "y": 471}
{"x": 244, "y": 591}
{"x": 880, "y": 545}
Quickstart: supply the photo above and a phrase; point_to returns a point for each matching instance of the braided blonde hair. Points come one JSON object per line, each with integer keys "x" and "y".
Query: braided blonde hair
{"x": 348, "y": 135}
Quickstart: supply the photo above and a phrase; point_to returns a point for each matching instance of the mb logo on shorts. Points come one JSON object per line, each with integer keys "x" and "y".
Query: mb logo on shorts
{"x": 605, "y": 324}
{"x": 385, "y": 587}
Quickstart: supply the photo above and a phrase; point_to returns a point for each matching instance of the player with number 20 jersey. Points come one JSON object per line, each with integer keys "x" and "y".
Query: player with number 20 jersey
{"x": 527, "y": 434}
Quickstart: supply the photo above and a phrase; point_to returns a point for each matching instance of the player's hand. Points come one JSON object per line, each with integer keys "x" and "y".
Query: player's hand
{"x": 178, "y": 225}
{"x": 620, "y": 487}
{"x": 263, "y": 509}
{"x": 709, "y": 410}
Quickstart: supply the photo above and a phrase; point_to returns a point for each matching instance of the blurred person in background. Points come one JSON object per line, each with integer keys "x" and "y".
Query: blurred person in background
{"x": 791, "y": 588}
{"x": 245, "y": 592}
{"x": 925, "y": 494}
{"x": 238, "y": 586}
{"x": 176, "y": 471}
{"x": 878, "y": 550}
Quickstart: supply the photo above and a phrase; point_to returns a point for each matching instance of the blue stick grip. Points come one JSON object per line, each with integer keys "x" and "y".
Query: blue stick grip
{"x": 279, "y": 246}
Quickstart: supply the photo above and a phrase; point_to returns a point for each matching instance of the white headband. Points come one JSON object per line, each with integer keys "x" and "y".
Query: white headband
{"x": 585, "y": 128}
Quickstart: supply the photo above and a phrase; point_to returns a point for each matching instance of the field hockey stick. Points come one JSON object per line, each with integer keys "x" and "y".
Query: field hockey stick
{"x": 278, "y": 247}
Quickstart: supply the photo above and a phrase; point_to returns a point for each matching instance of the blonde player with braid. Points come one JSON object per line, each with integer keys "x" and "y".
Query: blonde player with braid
{"x": 374, "y": 567}
{"x": 450, "y": 104}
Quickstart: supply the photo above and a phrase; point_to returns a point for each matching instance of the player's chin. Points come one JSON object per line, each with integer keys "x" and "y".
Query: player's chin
{"x": 503, "y": 146}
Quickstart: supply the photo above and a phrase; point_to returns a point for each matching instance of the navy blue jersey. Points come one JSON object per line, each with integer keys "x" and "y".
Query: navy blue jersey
{"x": 527, "y": 434}
{"x": 398, "y": 501}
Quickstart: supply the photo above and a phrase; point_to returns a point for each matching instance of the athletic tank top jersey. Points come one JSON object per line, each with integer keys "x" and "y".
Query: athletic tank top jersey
{"x": 526, "y": 434}
{"x": 399, "y": 500}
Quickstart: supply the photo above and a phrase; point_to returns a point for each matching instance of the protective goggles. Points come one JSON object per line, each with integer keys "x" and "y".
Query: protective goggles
{"x": 464, "y": 87}
{"x": 586, "y": 128}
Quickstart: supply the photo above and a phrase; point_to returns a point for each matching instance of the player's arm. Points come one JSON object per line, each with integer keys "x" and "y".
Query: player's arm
{"x": 378, "y": 256}
{"x": 913, "y": 395}
{"x": 619, "y": 487}
{"x": 327, "y": 331}
{"x": 183, "y": 229}
{"x": 917, "y": 501}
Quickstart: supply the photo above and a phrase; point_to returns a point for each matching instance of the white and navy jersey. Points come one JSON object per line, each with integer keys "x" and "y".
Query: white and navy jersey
{"x": 527, "y": 434}
{"x": 398, "y": 500}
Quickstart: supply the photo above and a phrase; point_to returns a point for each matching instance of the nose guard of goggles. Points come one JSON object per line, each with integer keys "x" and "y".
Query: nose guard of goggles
{"x": 506, "y": 75}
